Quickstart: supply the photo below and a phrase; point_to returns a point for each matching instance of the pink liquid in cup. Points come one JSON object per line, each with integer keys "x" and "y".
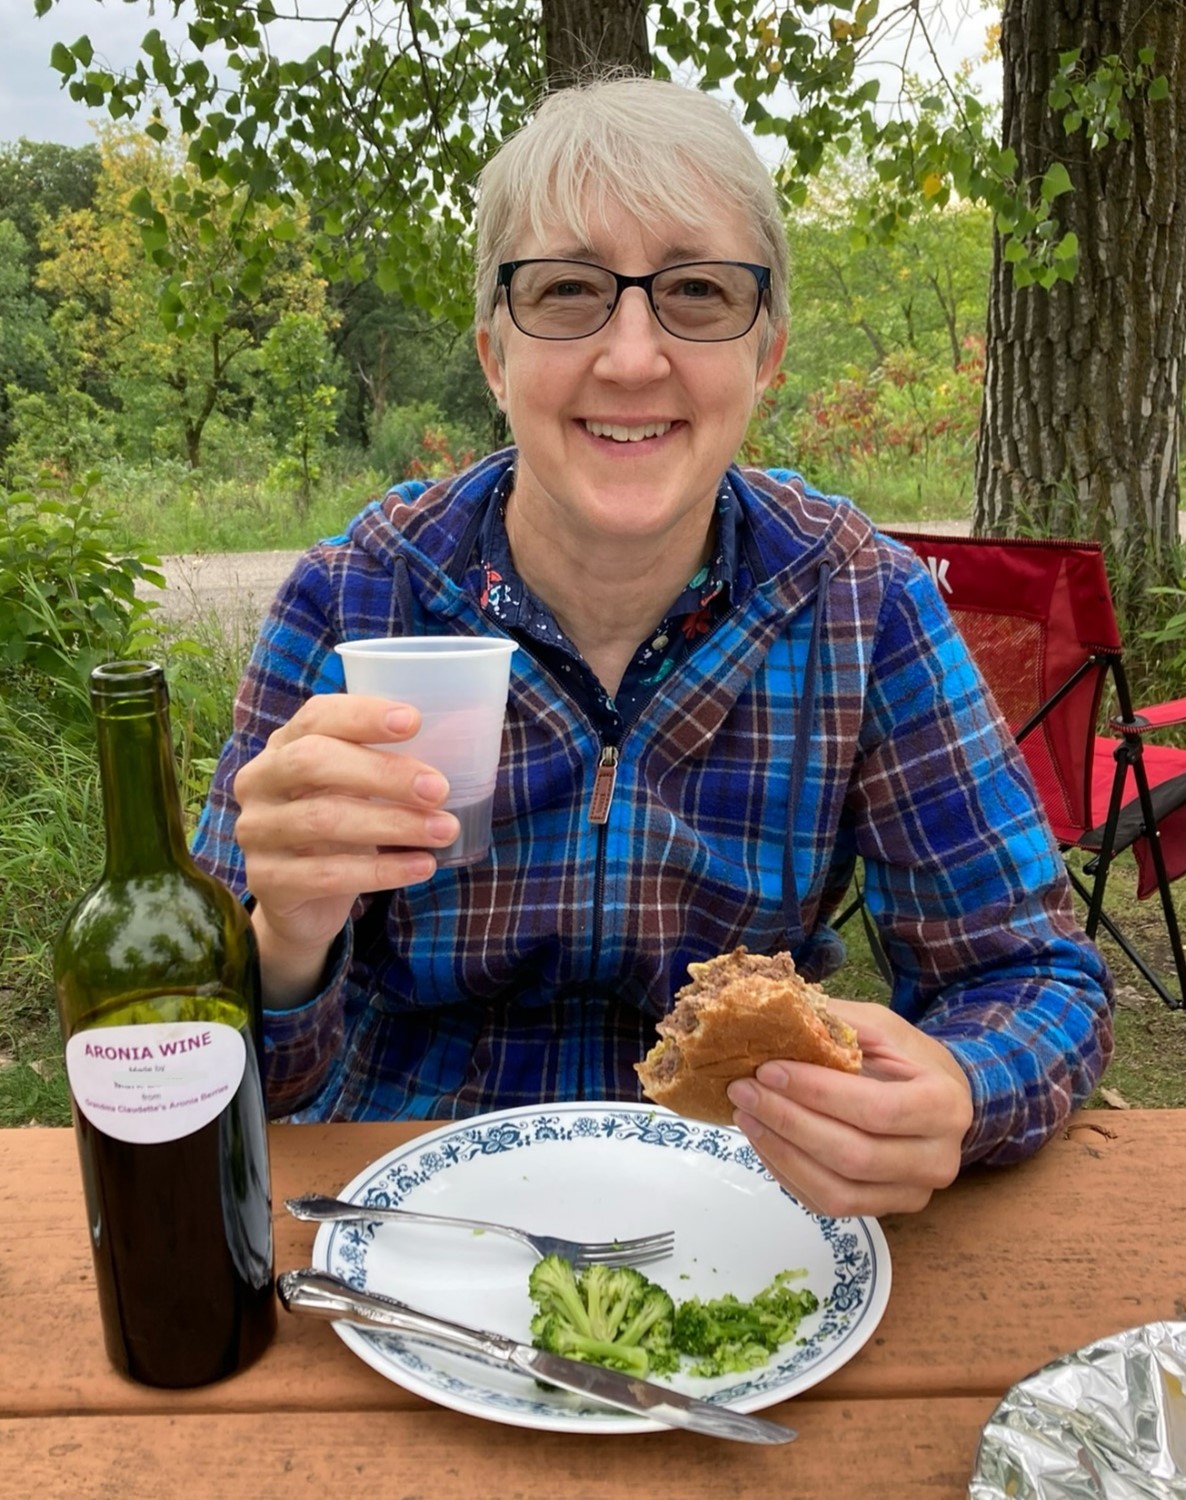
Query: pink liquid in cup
{"x": 459, "y": 684}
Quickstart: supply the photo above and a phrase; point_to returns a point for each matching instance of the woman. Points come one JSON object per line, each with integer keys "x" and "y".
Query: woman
{"x": 730, "y": 687}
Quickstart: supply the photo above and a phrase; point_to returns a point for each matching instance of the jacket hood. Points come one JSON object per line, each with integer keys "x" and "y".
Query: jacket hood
{"x": 428, "y": 532}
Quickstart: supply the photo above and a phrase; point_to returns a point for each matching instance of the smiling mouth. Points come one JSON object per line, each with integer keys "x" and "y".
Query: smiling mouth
{"x": 619, "y": 433}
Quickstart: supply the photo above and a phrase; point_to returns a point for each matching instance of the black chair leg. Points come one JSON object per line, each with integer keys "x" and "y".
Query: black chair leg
{"x": 1102, "y": 919}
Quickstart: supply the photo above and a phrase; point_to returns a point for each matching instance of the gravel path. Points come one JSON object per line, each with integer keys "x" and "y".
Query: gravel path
{"x": 237, "y": 587}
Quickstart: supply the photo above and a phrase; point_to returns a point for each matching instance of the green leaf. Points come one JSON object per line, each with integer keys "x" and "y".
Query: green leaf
{"x": 1158, "y": 89}
{"x": 387, "y": 275}
{"x": 1056, "y": 182}
{"x": 62, "y": 60}
{"x": 718, "y": 64}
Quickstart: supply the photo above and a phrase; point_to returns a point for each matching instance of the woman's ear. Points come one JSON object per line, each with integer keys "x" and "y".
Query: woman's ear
{"x": 490, "y": 358}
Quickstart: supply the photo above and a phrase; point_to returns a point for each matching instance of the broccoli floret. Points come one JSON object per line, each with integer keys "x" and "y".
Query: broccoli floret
{"x": 554, "y": 1290}
{"x": 553, "y": 1334}
{"x": 605, "y": 1316}
{"x": 725, "y": 1335}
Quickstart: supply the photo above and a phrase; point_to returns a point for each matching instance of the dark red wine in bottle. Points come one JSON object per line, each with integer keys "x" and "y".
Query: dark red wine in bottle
{"x": 159, "y": 1003}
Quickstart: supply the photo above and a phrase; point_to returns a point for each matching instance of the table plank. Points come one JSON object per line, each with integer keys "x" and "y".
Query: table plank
{"x": 845, "y": 1451}
{"x": 1003, "y": 1271}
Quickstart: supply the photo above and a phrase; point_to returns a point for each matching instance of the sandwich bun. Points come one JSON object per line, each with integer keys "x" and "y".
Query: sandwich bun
{"x": 739, "y": 1011}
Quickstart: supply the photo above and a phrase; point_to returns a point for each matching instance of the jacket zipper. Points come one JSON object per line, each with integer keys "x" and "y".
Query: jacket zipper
{"x": 604, "y": 780}
{"x": 603, "y": 785}
{"x": 602, "y": 795}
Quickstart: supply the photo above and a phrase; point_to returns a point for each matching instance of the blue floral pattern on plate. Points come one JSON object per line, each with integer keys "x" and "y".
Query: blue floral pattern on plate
{"x": 641, "y": 1145}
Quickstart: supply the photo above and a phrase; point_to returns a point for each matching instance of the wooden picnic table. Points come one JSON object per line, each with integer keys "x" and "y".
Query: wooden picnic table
{"x": 1001, "y": 1273}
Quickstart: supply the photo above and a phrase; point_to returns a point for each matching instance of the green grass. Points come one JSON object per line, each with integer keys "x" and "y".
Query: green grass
{"x": 184, "y": 511}
{"x": 51, "y": 852}
{"x": 53, "y": 841}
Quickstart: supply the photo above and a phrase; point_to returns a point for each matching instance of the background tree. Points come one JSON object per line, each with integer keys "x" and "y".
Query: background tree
{"x": 164, "y": 375}
{"x": 39, "y": 180}
{"x": 302, "y": 398}
{"x": 394, "y": 354}
{"x": 26, "y": 356}
{"x": 1083, "y": 383}
{"x": 857, "y": 299}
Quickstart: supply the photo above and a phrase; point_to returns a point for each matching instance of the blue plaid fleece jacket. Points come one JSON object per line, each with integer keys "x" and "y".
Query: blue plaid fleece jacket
{"x": 831, "y": 713}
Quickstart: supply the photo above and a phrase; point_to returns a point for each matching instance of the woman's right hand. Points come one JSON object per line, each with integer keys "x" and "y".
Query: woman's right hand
{"x": 323, "y": 818}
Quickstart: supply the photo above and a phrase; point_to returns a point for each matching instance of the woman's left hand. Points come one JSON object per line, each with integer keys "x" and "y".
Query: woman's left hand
{"x": 875, "y": 1143}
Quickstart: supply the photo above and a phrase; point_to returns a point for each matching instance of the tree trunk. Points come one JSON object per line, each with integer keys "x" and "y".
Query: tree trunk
{"x": 1083, "y": 390}
{"x": 581, "y": 36}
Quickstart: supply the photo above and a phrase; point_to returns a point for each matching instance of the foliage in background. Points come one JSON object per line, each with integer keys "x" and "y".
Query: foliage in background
{"x": 68, "y": 601}
{"x": 67, "y": 594}
{"x": 302, "y": 401}
{"x": 40, "y": 179}
{"x": 901, "y": 436}
{"x": 92, "y": 378}
{"x": 856, "y": 301}
{"x": 381, "y": 129}
{"x": 26, "y": 347}
{"x": 119, "y": 337}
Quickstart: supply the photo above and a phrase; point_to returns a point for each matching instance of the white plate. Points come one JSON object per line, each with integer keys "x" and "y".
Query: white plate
{"x": 595, "y": 1171}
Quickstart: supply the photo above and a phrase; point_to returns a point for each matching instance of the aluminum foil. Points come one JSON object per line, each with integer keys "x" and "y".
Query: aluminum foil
{"x": 1105, "y": 1423}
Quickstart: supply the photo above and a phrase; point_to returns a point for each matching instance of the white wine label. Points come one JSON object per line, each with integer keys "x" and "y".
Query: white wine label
{"x": 155, "y": 1082}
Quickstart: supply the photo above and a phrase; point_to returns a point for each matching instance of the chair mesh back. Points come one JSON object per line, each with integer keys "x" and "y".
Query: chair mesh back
{"x": 1032, "y": 613}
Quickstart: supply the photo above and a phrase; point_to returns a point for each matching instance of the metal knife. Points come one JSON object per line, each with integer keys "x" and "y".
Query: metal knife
{"x": 326, "y": 1296}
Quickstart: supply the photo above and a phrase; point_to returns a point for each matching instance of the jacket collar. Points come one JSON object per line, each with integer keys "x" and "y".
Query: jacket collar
{"x": 787, "y": 532}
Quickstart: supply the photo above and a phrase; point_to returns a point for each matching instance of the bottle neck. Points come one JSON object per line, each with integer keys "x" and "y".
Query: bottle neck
{"x": 141, "y": 806}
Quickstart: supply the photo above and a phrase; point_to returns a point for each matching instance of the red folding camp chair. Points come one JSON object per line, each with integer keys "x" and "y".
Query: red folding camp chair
{"x": 1038, "y": 619}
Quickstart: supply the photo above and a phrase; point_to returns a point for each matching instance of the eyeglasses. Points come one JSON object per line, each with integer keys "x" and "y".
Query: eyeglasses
{"x": 707, "y": 301}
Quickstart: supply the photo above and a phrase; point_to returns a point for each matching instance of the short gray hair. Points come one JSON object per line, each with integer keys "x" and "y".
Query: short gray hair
{"x": 655, "y": 148}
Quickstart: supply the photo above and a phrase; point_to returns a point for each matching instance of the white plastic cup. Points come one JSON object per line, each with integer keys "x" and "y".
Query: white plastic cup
{"x": 459, "y": 683}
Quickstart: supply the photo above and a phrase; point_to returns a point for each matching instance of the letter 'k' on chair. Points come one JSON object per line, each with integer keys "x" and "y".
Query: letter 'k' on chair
{"x": 1038, "y": 620}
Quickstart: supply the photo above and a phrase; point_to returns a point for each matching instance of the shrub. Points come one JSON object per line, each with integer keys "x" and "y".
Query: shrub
{"x": 416, "y": 441}
{"x": 906, "y": 426}
{"x": 69, "y": 431}
{"x": 67, "y": 597}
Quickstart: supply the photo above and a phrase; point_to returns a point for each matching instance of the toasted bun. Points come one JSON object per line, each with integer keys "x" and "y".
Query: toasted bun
{"x": 739, "y": 1011}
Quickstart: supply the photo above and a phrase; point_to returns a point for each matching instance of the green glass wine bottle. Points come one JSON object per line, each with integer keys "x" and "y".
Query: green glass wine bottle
{"x": 159, "y": 1003}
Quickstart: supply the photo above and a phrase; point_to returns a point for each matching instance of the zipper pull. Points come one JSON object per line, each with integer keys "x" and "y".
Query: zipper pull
{"x": 603, "y": 785}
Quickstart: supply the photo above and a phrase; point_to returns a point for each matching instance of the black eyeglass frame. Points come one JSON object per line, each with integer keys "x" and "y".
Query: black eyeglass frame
{"x": 507, "y": 269}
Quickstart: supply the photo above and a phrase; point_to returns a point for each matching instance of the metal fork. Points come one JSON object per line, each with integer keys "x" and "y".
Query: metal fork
{"x": 636, "y": 1252}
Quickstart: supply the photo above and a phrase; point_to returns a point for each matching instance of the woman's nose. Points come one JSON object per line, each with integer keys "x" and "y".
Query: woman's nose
{"x": 632, "y": 342}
